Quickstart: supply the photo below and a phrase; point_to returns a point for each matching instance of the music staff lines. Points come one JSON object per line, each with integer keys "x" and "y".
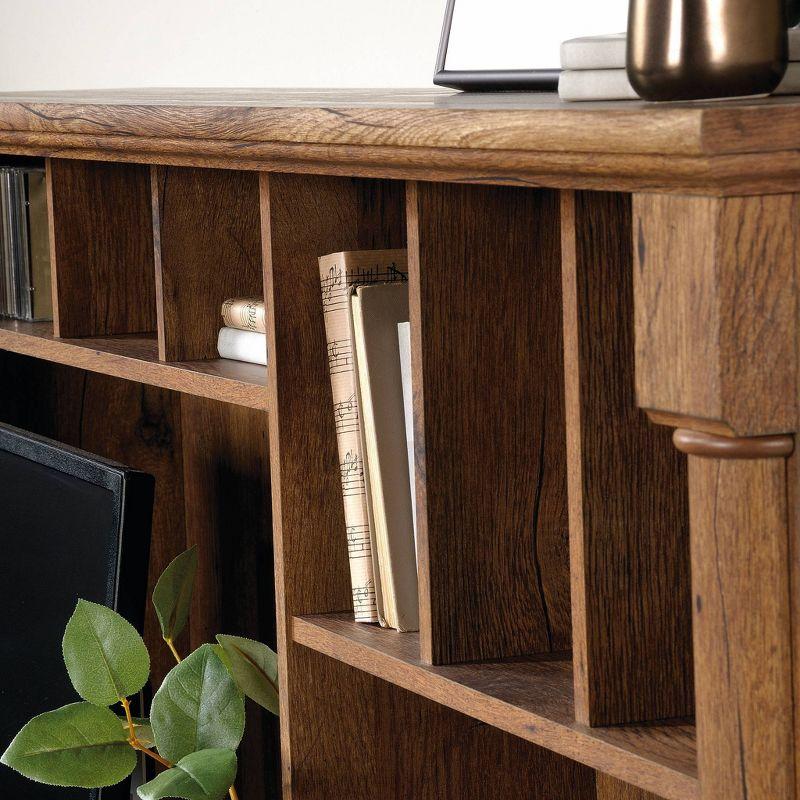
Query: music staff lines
{"x": 340, "y": 356}
{"x": 352, "y": 470}
{"x": 337, "y": 287}
{"x": 346, "y": 415}
{"x": 358, "y": 541}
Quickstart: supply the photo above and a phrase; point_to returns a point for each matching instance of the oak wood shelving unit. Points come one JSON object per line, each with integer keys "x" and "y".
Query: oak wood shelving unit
{"x": 604, "y": 614}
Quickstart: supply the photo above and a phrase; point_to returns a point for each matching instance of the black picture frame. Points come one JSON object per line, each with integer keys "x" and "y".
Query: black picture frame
{"x": 488, "y": 80}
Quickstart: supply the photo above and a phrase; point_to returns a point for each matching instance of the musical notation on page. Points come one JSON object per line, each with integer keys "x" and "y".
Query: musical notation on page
{"x": 336, "y": 287}
{"x": 340, "y": 356}
{"x": 364, "y": 599}
{"x": 352, "y": 470}
{"x": 358, "y": 541}
{"x": 346, "y": 415}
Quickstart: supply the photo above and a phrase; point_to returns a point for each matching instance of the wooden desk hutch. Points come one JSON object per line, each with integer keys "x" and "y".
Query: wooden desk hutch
{"x": 608, "y": 610}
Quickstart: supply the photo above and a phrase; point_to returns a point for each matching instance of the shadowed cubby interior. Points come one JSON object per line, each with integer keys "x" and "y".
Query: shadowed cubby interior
{"x": 628, "y": 490}
{"x": 207, "y": 248}
{"x": 210, "y": 462}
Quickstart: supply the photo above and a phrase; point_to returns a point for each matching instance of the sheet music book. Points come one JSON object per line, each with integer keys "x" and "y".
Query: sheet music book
{"x": 340, "y": 274}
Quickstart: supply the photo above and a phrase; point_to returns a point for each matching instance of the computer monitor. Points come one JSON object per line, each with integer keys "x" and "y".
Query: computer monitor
{"x": 72, "y": 525}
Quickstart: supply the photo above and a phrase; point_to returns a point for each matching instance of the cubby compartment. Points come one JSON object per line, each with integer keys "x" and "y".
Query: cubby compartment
{"x": 210, "y": 462}
{"x": 628, "y": 491}
{"x": 485, "y": 290}
{"x": 101, "y": 248}
{"x": 379, "y": 740}
{"x": 207, "y": 240}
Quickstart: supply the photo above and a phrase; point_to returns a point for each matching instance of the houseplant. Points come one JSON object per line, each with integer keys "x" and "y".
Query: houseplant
{"x": 196, "y": 718}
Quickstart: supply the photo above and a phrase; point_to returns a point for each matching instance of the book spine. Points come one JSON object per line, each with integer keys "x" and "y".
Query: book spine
{"x": 338, "y": 278}
{"x": 245, "y": 314}
{"x": 242, "y": 346}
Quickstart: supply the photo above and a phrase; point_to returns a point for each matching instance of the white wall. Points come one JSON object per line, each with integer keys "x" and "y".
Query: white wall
{"x": 90, "y": 44}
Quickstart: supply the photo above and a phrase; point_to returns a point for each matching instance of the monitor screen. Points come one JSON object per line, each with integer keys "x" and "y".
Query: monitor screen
{"x": 62, "y": 515}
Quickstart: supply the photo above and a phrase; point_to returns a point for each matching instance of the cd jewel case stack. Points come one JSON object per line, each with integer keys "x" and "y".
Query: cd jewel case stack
{"x": 24, "y": 245}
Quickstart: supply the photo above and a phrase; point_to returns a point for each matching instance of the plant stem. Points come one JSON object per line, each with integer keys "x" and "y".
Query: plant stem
{"x": 155, "y": 756}
{"x": 134, "y": 742}
{"x": 172, "y": 648}
{"x": 232, "y": 793}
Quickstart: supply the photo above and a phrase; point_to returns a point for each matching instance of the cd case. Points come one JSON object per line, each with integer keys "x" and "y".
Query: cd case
{"x": 25, "y": 291}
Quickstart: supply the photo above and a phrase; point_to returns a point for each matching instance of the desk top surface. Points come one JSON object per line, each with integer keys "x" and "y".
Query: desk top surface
{"x": 524, "y": 128}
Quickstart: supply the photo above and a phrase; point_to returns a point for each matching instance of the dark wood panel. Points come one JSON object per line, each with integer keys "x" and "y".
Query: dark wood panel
{"x": 403, "y": 746}
{"x": 629, "y": 515}
{"x": 207, "y": 248}
{"x": 485, "y": 295}
{"x": 226, "y": 491}
{"x": 312, "y": 575}
{"x": 101, "y": 245}
{"x": 529, "y": 698}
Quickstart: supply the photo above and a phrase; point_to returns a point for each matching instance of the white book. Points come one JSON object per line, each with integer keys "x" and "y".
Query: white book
{"x": 608, "y": 51}
{"x": 404, "y": 340}
{"x": 594, "y": 52}
{"x": 613, "y": 84}
{"x": 242, "y": 345}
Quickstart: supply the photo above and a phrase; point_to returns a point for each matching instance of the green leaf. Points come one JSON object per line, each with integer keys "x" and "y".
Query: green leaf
{"x": 223, "y": 656}
{"x": 142, "y": 728}
{"x": 77, "y": 745}
{"x": 254, "y": 667}
{"x": 197, "y": 707}
{"x": 205, "y": 775}
{"x": 106, "y": 658}
{"x": 172, "y": 595}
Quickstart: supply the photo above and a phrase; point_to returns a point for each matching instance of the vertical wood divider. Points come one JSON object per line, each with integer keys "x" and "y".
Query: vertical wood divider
{"x": 485, "y": 299}
{"x": 628, "y": 503}
{"x": 207, "y": 242}
{"x": 101, "y": 248}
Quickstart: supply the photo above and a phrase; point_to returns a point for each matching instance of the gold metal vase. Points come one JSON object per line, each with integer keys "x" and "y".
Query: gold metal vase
{"x": 696, "y": 49}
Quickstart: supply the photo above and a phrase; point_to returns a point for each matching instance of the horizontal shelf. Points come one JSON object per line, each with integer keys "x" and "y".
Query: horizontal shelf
{"x": 135, "y": 358}
{"x": 532, "y": 699}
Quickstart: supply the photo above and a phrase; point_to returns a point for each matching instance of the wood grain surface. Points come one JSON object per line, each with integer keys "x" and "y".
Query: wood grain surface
{"x": 136, "y": 358}
{"x": 227, "y": 509}
{"x": 716, "y": 307}
{"x": 101, "y": 246}
{"x": 302, "y": 219}
{"x": 609, "y": 788}
{"x": 629, "y": 515}
{"x": 742, "y": 629}
{"x": 529, "y": 698}
{"x": 399, "y": 745}
{"x": 487, "y": 368}
{"x": 207, "y": 238}
{"x": 745, "y": 146}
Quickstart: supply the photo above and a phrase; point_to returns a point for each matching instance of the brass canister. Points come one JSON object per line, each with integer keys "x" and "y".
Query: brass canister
{"x": 696, "y": 49}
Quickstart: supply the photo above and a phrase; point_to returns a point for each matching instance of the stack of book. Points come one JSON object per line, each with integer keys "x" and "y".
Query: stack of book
{"x": 365, "y": 307}
{"x": 594, "y": 69}
{"x": 25, "y": 291}
{"x": 243, "y": 336}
